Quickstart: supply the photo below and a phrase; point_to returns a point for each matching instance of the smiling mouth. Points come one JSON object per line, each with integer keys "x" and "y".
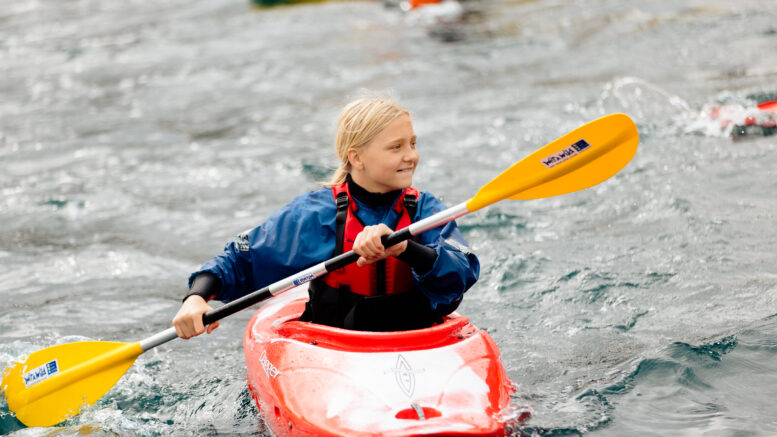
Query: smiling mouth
{"x": 402, "y": 170}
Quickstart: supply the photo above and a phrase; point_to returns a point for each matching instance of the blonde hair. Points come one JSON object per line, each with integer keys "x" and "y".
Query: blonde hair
{"x": 360, "y": 122}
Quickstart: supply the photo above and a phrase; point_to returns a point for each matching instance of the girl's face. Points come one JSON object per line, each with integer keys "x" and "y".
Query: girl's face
{"x": 387, "y": 162}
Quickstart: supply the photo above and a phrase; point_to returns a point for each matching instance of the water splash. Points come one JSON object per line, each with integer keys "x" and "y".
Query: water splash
{"x": 655, "y": 110}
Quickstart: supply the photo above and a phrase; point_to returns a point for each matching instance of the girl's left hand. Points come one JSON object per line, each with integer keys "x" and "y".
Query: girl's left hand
{"x": 370, "y": 248}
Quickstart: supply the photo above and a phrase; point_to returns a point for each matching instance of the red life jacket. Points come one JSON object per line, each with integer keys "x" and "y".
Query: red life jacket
{"x": 388, "y": 276}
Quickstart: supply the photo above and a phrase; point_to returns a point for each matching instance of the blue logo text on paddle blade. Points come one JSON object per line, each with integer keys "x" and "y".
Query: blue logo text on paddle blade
{"x": 565, "y": 154}
{"x": 40, "y": 373}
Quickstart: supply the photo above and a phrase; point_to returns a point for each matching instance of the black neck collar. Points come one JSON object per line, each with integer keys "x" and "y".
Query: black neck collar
{"x": 372, "y": 199}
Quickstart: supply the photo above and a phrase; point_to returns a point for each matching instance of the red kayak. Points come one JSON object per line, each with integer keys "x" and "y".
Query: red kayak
{"x": 315, "y": 380}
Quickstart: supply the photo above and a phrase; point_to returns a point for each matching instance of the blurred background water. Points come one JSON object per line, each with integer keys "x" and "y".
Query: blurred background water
{"x": 137, "y": 137}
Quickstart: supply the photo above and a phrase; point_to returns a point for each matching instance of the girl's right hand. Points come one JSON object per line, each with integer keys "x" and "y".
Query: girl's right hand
{"x": 370, "y": 248}
{"x": 188, "y": 320}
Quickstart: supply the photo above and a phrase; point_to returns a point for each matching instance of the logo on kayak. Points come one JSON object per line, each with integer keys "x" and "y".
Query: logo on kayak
{"x": 304, "y": 279}
{"x": 269, "y": 369}
{"x": 564, "y": 154}
{"x": 38, "y": 374}
{"x": 404, "y": 375}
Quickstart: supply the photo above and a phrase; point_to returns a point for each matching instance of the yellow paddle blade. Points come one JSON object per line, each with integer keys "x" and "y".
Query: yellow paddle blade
{"x": 55, "y": 383}
{"x": 580, "y": 159}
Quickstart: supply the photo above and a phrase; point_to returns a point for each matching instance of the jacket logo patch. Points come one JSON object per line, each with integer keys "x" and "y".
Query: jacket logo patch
{"x": 241, "y": 242}
{"x": 458, "y": 246}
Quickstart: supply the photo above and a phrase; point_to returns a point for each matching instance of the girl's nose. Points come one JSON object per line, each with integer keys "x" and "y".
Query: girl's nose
{"x": 411, "y": 154}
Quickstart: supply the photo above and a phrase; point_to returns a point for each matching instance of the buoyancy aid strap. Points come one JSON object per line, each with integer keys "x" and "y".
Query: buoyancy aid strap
{"x": 341, "y": 200}
{"x": 380, "y": 278}
{"x": 411, "y": 202}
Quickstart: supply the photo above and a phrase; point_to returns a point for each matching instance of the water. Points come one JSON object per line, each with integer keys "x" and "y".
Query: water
{"x": 136, "y": 138}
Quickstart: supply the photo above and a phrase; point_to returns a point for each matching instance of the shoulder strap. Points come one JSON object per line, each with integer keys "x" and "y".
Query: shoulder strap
{"x": 411, "y": 205}
{"x": 342, "y": 214}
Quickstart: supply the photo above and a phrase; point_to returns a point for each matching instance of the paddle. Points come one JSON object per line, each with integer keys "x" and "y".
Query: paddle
{"x": 54, "y": 383}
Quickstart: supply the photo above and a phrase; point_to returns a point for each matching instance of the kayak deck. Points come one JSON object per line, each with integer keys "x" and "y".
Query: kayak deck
{"x": 315, "y": 380}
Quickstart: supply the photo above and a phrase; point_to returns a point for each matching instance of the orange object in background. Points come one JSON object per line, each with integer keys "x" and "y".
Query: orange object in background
{"x": 770, "y": 106}
{"x": 416, "y": 3}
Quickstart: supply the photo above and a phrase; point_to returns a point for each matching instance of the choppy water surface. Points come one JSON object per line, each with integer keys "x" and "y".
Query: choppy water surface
{"x": 137, "y": 137}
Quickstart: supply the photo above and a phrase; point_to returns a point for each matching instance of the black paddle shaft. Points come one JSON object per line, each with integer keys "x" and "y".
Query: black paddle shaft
{"x": 335, "y": 263}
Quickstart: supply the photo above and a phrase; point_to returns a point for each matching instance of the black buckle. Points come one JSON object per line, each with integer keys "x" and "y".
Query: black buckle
{"x": 411, "y": 204}
{"x": 342, "y": 201}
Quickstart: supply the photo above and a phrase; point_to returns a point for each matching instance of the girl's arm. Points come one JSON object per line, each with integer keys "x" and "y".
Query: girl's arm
{"x": 298, "y": 235}
{"x": 455, "y": 268}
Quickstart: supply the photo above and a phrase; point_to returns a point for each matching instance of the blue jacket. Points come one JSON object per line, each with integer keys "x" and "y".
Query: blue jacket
{"x": 302, "y": 234}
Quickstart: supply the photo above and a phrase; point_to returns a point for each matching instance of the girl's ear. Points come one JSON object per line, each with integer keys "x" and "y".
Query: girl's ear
{"x": 355, "y": 159}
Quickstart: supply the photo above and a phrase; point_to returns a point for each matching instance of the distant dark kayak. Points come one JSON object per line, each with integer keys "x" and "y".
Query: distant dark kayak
{"x": 283, "y": 2}
{"x": 760, "y": 119}
{"x": 409, "y": 4}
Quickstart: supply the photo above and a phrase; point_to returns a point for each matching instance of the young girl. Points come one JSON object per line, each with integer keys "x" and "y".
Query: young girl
{"x": 408, "y": 286}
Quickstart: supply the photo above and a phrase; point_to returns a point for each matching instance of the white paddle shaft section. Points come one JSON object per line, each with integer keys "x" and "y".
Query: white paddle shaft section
{"x": 309, "y": 274}
{"x": 438, "y": 219}
{"x": 158, "y": 338}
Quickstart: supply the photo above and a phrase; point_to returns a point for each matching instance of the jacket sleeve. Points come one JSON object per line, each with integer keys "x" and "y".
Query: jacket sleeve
{"x": 456, "y": 268}
{"x": 297, "y": 236}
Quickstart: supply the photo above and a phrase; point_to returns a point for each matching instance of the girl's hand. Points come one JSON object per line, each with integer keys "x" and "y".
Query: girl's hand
{"x": 188, "y": 321}
{"x": 370, "y": 248}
